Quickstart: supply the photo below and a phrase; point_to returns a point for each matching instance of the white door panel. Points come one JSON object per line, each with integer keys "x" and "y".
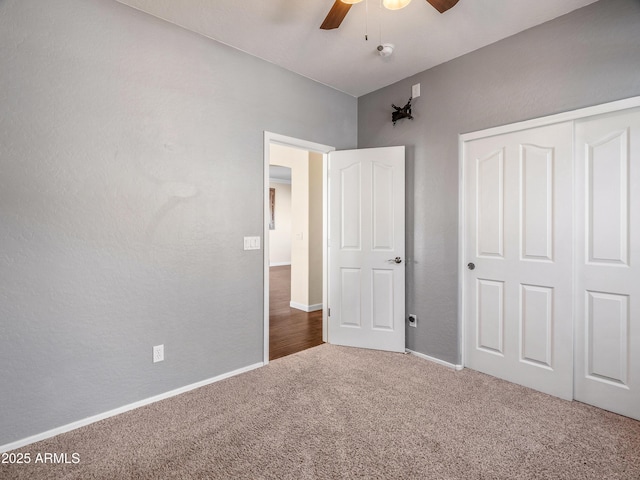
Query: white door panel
{"x": 366, "y": 232}
{"x": 518, "y": 298}
{"x": 607, "y": 255}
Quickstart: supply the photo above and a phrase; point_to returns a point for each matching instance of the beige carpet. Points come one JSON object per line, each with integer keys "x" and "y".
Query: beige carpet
{"x": 334, "y": 412}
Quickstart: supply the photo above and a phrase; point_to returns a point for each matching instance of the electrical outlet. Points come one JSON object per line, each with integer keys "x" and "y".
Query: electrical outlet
{"x": 413, "y": 320}
{"x": 158, "y": 353}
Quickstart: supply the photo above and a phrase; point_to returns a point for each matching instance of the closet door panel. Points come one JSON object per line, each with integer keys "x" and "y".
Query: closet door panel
{"x": 518, "y": 218}
{"x": 607, "y": 277}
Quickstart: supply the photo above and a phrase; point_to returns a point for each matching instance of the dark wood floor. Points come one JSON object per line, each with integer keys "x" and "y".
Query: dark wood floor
{"x": 290, "y": 330}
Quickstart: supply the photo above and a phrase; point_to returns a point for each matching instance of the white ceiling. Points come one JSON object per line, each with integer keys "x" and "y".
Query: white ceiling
{"x": 287, "y": 33}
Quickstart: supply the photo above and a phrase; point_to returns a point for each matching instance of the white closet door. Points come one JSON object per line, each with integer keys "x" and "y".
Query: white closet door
{"x": 607, "y": 262}
{"x": 518, "y": 296}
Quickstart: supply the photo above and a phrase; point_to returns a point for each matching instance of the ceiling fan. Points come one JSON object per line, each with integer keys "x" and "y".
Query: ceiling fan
{"x": 341, "y": 8}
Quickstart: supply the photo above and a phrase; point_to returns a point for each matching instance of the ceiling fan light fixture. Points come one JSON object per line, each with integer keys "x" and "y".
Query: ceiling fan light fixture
{"x": 395, "y": 4}
{"x": 351, "y": 2}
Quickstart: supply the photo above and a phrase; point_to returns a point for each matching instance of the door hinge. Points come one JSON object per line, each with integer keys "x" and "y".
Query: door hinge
{"x": 329, "y": 312}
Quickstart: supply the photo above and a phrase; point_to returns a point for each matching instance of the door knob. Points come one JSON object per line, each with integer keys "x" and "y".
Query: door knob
{"x": 471, "y": 266}
{"x": 395, "y": 260}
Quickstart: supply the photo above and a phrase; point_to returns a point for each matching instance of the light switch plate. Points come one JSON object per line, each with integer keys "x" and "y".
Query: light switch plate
{"x": 252, "y": 243}
{"x": 415, "y": 91}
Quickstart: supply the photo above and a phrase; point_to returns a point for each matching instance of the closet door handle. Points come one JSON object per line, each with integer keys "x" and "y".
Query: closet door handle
{"x": 471, "y": 266}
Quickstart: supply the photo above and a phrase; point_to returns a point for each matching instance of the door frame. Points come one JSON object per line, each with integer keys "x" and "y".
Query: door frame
{"x": 277, "y": 139}
{"x": 571, "y": 115}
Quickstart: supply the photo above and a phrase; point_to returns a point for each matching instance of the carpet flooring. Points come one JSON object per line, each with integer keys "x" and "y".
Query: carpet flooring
{"x": 334, "y": 412}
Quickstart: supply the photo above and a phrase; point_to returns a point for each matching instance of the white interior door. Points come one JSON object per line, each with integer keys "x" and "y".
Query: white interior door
{"x": 518, "y": 244}
{"x": 366, "y": 248}
{"x": 607, "y": 256}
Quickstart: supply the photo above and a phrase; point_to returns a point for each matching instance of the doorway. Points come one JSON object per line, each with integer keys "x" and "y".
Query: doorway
{"x": 295, "y": 250}
{"x": 299, "y": 319}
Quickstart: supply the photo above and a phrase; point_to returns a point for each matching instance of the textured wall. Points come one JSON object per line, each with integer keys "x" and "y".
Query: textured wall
{"x": 131, "y": 166}
{"x": 587, "y": 57}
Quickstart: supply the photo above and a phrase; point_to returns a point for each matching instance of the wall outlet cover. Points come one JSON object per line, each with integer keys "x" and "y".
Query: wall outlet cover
{"x": 158, "y": 353}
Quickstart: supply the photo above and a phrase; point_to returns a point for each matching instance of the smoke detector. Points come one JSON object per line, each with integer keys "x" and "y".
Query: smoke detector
{"x": 385, "y": 50}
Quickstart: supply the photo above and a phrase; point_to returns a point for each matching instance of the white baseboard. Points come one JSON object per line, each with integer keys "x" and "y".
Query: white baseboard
{"x": 111, "y": 413}
{"x": 306, "y": 308}
{"x": 279, "y": 264}
{"x": 435, "y": 360}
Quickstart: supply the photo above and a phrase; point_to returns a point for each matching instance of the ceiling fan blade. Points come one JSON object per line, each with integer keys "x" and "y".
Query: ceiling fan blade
{"x": 335, "y": 15}
{"x": 442, "y": 5}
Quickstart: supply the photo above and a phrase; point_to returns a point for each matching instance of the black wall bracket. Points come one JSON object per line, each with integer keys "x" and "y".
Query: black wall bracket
{"x": 401, "y": 112}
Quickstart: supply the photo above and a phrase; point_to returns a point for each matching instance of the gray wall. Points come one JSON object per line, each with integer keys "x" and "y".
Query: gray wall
{"x": 587, "y": 57}
{"x": 131, "y": 167}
